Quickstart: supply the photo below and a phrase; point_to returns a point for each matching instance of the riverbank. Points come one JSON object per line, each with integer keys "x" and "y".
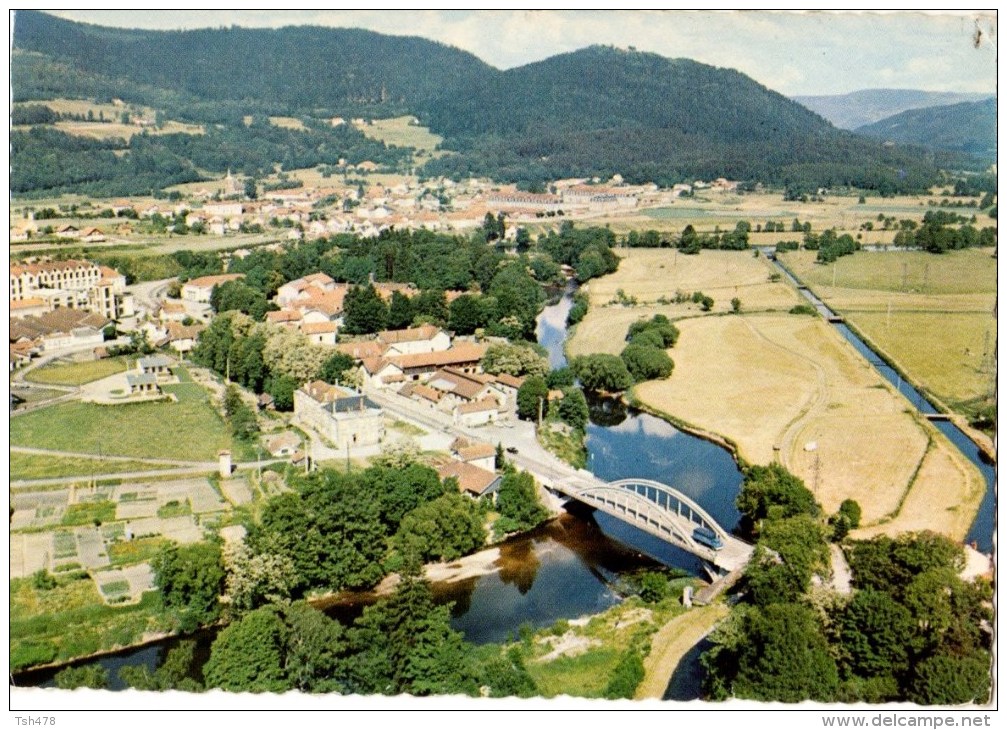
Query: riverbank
{"x": 672, "y": 642}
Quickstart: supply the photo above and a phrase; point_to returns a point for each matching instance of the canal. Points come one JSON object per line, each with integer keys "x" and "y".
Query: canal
{"x": 981, "y": 532}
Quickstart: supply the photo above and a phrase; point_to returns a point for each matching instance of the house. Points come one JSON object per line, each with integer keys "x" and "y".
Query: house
{"x": 427, "y": 338}
{"x": 340, "y": 415}
{"x": 465, "y": 357}
{"x": 460, "y": 387}
{"x": 157, "y": 365}
{"x": 172, "y": 311}
{"x": 285, "y": 444}
{"x": 380, "y": 372}
{"x": 477, "y": 414}
{"x": 68, "y": 231}
{"x": 478, "y": 453}
{"x": 297, "y": 289}
{"x": 92, "y": 235}
{"x": 142, "y": 384}
{"x": 472, "y": 480}
{"x": 285, "y": 318}
{"x": 182, "y": 338}
{"x": 321, "y": 333}
{"x": 199, "y": 289}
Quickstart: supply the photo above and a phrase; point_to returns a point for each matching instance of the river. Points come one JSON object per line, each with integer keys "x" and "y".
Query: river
{"x": 567, "y": 568}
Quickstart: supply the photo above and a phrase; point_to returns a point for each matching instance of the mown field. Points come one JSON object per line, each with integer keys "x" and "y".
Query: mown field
{"x": 78, "y": 373}
{"x": 399, "y": 132}
{"x": 189, "y": 430}
{"x": 931, "y": 315}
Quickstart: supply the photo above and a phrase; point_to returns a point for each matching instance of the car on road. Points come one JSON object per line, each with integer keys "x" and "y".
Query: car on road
{"x": 512, "y": 449}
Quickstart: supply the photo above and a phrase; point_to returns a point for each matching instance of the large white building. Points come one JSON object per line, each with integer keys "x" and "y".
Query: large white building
{"x": 343, "y": 417}
{"x": 70, "y": 284}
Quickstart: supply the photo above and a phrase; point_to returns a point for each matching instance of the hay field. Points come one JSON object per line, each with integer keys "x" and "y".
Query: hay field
{"x": 931, "y": 315}
{"x": 713, "y": 208}
{"x": 650, "y": 274}
{"x": 399, "y": 132}
{"x": 789, "y": 387}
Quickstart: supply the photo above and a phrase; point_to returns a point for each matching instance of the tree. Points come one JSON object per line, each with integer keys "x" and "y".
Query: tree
{"x": 626, "y": 677}
{"x": 190, "y": 579}
{"x": 560, "y": 378}
{"x": 531, "y": 398}
{"x": 288, "y": 352}
{"x": 247, "y": 655}
{"x": 518, "y": 503}
{"x": 514, "y": 359}
{"x": 400, "y": 311}
{"x": 946, "y": 679}
{"x": 465, "y": 315}
{"x": 602, "y": 373}
{"x": 90, "y": 677}
{"x": 282, "y": 389}
{"x": 405, "y": 644}
{"x": 237, "y": 295}
{"x": 646, "y": 363}
{"x": 776, "y": 653}
{"x": 251, "y": 190}
{"x": 875, "y": 633}
{"x": 736, "y": 305}
{"x": 573, "y": 408}
{"x": 334, "y": 369}
{"x": 773, "y": 492}
{"x": 254, "y": 580}
{"x": 444, "y": 529}
{"x": 506, "y": 676}
{"x": 364, "y": 311}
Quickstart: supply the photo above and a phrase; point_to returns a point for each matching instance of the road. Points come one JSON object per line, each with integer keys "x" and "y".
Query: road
{"x": 671, "y": 643}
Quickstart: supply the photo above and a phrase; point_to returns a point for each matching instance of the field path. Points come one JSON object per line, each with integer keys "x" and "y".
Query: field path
{"x": 815, "y": 402}
{"x": 671, "y": 643}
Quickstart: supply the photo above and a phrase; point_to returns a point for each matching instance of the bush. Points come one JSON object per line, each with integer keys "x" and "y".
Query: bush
{"x": 626, "y": 678}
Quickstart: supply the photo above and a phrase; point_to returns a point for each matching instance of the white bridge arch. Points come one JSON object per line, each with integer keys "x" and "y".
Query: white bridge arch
{"x": 655, "y": 507}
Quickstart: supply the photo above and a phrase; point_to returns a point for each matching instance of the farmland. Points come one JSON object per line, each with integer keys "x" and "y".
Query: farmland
{"x": 931, "y": 315}
{"x": 786, "y": 387}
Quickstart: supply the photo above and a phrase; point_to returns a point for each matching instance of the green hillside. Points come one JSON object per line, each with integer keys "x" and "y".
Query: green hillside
{"x": 969, "y": 127}
{"x": 597, "y": 111}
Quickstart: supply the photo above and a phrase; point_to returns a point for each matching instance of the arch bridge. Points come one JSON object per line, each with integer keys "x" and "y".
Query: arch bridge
{"x": 661, "y": 511}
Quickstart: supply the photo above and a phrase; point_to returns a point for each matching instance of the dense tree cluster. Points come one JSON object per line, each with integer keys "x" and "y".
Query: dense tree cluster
{"x": 911, "y": 630}
{"x": 938, "y": 235}
{"x": 190, "y": 579}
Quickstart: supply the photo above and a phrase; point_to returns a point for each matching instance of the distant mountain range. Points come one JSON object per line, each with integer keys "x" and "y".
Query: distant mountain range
{"x": 860, "y": 108}
{"x": 596, "y": 111}
{"x": 968, "y": 127}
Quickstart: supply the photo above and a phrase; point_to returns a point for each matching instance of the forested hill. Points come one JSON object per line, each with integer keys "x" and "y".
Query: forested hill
{"x": 297, "y": 69}
{"x": 597, "y": 111}
{"x": 969, "y": 127}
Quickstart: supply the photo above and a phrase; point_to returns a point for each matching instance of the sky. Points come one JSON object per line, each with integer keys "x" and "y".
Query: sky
{"x": 794, "y": 53}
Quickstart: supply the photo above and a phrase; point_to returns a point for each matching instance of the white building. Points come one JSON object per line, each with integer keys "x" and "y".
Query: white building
{"x": 343, "y": 417}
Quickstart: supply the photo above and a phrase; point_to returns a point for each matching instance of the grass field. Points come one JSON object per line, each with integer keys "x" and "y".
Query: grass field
{"x": 77, "y": 373}
{"x": 34, "y": 466}
{"x": 709, "y": 209}
{"x": 39, "y": 621}
{"x": 652, "y": 274}
{"x": 931, "y": 315}
{"x": 401, "y": 133}
{"x": 189, "y": 430}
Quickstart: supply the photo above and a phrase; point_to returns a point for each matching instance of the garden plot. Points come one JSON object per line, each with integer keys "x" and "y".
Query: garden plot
{"x": 91, "y": 548}
{"x": 203, "y": 497}
{"x": 237, "y": 491}
{"x": 30, "y": 553}
{"x": 181, "y": 529}
{"x": 124, "y": 585}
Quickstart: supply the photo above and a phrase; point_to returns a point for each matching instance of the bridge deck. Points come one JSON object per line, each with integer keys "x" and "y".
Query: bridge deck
{"x": 734, "y": 554}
